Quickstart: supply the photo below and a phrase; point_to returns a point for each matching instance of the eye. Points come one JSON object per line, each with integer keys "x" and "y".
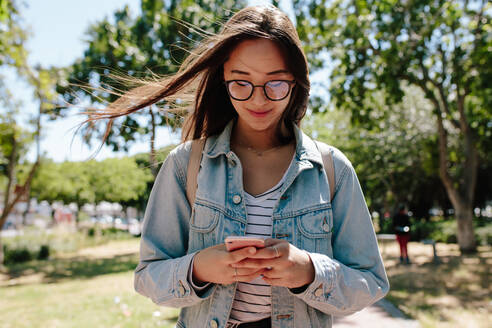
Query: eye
{"x": 242, "y": 83}
{"x": 275, "y": 84}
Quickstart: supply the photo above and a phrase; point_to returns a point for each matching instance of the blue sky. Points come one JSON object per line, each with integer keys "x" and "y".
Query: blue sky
{"x": 57, "y": 34}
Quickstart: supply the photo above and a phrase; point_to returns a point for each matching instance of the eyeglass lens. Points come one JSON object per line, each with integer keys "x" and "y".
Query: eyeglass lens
{"x": 274, "y": 90}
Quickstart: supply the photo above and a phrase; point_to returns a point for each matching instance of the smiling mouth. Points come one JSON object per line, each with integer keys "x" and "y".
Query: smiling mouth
{"x": 259, "y": 114}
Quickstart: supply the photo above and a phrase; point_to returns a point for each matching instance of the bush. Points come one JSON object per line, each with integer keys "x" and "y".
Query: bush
{"x": 110, "y": 231}
{"x": 484, "y": 235}
{"x": 24, "y": 254}
{"x": 421, "y": 229}
{"x": 445, "y": 230}
{"x": 16, "y": 255}
{"x": 44, "y": 252}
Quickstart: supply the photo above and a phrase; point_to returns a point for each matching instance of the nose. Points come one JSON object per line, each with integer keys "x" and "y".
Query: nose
{"x": 258, "y": 97}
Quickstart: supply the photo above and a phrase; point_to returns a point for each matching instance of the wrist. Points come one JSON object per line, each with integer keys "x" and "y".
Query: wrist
{"x": 195, "y": 272}
{"x": 311, "y": 272}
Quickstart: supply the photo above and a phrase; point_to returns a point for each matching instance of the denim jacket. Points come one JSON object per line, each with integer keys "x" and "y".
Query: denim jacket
{"x": 339, "y": 236}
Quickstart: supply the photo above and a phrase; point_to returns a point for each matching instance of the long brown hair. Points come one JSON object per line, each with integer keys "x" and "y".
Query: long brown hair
{"x": 200, "y": 77}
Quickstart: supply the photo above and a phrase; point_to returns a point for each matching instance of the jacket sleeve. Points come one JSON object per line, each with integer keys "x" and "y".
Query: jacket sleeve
{"x": 164, "y": 264}
{"x": 355, "y": 277}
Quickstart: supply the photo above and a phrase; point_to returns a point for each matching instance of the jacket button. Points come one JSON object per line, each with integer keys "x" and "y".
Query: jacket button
{"x": 326, "y": 227}
{"x": 318, "y": 292}
{"x": 230, "y": 158}
{"x": 181, "y": 289}
{"x": 213, "y": 324}
{"x": 236, "y": 199}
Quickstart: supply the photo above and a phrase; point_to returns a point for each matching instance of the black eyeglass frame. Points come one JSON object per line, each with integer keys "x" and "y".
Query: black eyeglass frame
{"x": 289, "y": 82}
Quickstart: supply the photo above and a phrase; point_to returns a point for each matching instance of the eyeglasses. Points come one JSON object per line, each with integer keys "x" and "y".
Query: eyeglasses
{"x": 274, "y": 90}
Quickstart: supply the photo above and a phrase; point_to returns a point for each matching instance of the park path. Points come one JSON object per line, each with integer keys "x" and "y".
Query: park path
{"x": 383, "y": 314}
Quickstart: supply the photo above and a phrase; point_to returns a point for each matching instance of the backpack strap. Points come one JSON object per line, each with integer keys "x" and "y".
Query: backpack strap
{"x": 328, "y": 165}
{"x": 197, "y": 146}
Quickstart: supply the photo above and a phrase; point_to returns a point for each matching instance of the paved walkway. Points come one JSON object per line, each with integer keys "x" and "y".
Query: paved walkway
{"x": 383, "y": 314}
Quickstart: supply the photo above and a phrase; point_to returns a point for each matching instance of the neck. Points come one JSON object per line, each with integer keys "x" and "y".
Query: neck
{"x": 258, "y": 140}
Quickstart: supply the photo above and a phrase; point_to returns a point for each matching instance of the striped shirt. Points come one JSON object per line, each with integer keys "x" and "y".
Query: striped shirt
{"x": 252, "y": 301}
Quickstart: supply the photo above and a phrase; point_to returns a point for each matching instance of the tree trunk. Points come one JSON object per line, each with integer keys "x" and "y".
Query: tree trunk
{"x": 28, "y": 206}
{"x": 461, "y": 198}
{"x": 465, "y": 234}
{"x": 2, "y": 256}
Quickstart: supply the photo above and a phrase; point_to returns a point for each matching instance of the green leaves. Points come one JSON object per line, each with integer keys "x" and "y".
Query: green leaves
{"x": 12, "y": 35}
{"x": 112, "y": 180}
{"x": 396, "y": 159}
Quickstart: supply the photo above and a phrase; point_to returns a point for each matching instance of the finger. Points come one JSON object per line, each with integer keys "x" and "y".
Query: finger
{"x": 247, "y": 278}
{"x": 273, "y": 241}
{"x": 246, "y": 271}
{"x": 255, "y": 263}
{"x": 241, "y": 254}
{"x": 273, "y": 273}
{"x": 245, "y": 275}
{"x": 270, "y": 252}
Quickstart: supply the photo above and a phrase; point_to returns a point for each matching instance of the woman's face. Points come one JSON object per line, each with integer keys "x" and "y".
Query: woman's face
{"x": 258, "y": 61}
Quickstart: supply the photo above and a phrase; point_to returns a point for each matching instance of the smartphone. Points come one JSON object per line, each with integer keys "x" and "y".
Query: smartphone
{"x": 235, "y": 242}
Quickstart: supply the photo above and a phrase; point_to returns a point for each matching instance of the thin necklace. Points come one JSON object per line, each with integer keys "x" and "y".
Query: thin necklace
{"x": 260, "y": 153}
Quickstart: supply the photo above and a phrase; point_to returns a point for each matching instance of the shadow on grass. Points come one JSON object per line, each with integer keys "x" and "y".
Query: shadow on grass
{"x": 457, "y": 282}
{"x": 79, "y": 267}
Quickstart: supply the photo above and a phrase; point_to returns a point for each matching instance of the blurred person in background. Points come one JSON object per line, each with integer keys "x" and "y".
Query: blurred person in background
{"x": 401, "y": 226}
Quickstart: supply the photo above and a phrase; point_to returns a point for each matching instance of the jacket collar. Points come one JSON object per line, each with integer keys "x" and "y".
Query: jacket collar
{"x": 306, "y": 148}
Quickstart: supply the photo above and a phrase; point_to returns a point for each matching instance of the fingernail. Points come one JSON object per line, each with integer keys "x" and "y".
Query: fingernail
{"x": 252, "y": 250}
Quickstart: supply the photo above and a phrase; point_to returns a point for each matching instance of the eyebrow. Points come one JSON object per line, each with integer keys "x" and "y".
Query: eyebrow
{"x": 279, "y": 71}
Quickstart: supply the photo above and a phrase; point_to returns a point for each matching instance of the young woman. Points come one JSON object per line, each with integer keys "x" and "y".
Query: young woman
{"x": 259, "y": 176}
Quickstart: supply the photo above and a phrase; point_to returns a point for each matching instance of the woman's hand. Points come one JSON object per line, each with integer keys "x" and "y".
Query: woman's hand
{"x": 214, "y": 264}
{"x": 281, "y": 264}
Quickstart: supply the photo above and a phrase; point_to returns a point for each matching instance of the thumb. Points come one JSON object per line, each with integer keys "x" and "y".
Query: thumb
{"x": 241, "y": 254}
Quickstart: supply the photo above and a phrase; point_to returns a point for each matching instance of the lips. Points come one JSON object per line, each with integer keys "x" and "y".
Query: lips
{"x": 258, "y": 113}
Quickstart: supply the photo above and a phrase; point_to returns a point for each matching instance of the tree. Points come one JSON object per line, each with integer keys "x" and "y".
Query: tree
{"x": 12, "y": 36}
{"x": 68, "y": 182}
{"x": 14, "y": 55}
{"x": 154, "y": 43}
{"x": 117, "y": 180}
{"x": 442, "y": 47}
{"x": 14, "y": 143}
{"x": 13, "y": 139}
{"x": 396, "y": 162}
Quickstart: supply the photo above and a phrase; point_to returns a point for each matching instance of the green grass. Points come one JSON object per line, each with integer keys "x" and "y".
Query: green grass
{"x": 107, "y": 300}
{"x": 79, "y": 291}
{"x": 62, "y": 239}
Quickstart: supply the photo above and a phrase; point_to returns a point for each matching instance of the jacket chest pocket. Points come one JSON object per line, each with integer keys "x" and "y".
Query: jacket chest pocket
{"x": 204, "y": 224}
{"x": 314, "y": 231}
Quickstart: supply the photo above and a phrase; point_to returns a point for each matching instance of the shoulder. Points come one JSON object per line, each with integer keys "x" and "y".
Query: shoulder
{"x": 343, "y": 169}
{"x": 176, "y": 163}
{"x": 340, "y": 161}
{"x": 181, "y": 154}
